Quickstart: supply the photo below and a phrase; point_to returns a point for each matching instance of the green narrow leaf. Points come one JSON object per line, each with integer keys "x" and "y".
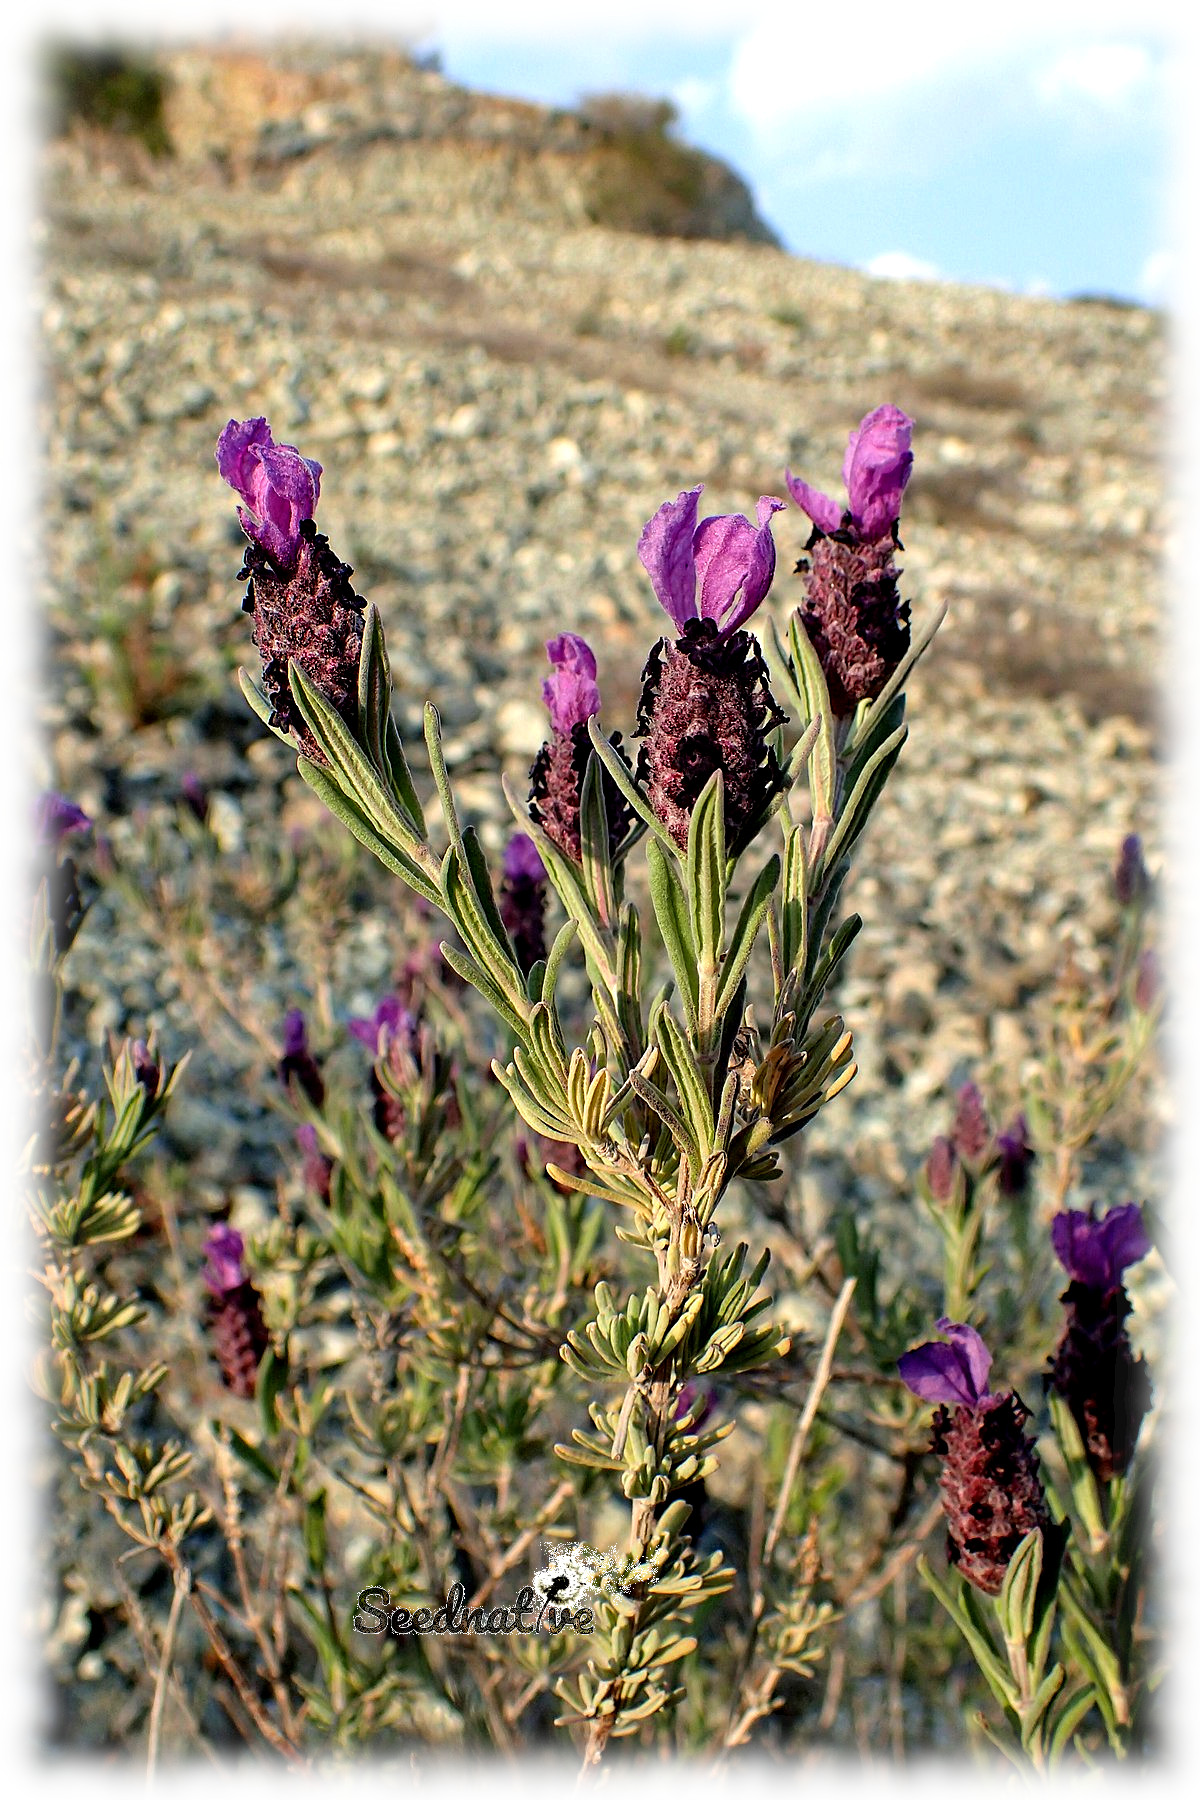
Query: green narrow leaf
{"x": 689, "y": 1082}
{"x": 794, "y": 914}
{"x": 670, "y": 909}
{"x": 754, "y": 908}
{"x": 349, "y": 763}
{"x": 595, "y": 860}
{"x": 616, "y": 767}
{"x": 259, "y": 704}
{"x": 857, "y": 809}
{"x": 706, "y": 872}
{"x": 392, "y": 858}
{"x": 812, "y": 696}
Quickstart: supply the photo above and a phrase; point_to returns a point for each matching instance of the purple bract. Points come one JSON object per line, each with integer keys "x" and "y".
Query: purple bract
{"x": 390, "y": 1019}
{"x": 570, "y": 691}
{"x": 876, "y": 468}
{"x": 1096, "y": 1252}
{"x": 729, "y": 559}
{"x": 55, "y": 817}
{"x": 953, "y": 1374}
{"x": 278, "y": 486}
{"x": 224, "y": 1249}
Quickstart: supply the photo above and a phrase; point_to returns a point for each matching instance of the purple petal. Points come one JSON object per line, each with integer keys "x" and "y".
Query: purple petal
{"x": 666, "y": 551}
{"x": 876, "y": 468}
{"x": 234, "y": 446}
{"x": 224, "y": 1249}
{"x": 1124, "y": 1237}
{"x": 521, "y": 859}
{"x": 973, "y": 1352}
{"x": 953, "y": 1374}
{"x": 825, "y": 513}
{"x": 1096, "y": 1251}
{"x": 732, "y": 556}
{"x": 570, "y": 692}
{"x": 55, "y": 817}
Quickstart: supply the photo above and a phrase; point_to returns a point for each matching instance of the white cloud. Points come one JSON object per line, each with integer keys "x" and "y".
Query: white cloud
{"x": 899, "y": 265}
{"x": 1156, "y": 278}
{"x": 1110, "y": 76}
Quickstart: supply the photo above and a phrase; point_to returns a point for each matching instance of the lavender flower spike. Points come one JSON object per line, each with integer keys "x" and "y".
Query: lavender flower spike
{"x": 731, "y": 561}
{"x": 875, "y": 469}
{"x": 1096, "y": 1252}
{"x": 991, "y": 1489}
{"x": 1094, "y": 1369}
{"x": 278, "y": 486}
{"x": 305, "y": 610}
{"x": 853, "y": 614}
{"x": 953, "y": 1374}
{"x": 556, "y": 775}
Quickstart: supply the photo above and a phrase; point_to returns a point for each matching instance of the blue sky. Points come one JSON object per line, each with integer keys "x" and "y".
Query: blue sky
{"x": 1035, "y": 157}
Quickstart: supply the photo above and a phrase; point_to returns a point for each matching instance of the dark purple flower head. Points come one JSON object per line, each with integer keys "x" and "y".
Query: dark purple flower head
{"x": 226, "y": 1270}
{"x": 55, "y": 817}
{"x": 521, "y": 859}
{"x": 1131, "y": 879}
{"x": 953, "y": 1374}
{"x": 1096, "y": 1252}
{"x": 390, "y": 1019}
{"x": 570, "y": 692}
{"x": 875, "y": 470}
{"x": 1016, "y": 1156}
{"x": 278, "y": 486}
{"x": 731, "y": 561}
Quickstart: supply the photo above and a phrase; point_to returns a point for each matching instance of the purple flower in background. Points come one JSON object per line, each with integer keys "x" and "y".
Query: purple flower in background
{"x": 298, "y": 1064}
{"x": 1094, "y": 1368}
{"x": 278, "y": 486}
{"x": 570, "y": 691}
{"x": 941, "y": 1166}
{"x": 875, "y": 470}
{"x": 972, "y": 1133}
{"x": 234, "y": 1311}
{"x": 390, "y": 1019}
{"x": 146, "y": 1068}
{"x": 731, "y": 561}
{"x": 317, "y": 1166}
{"x": 953, "y": 1374}
{"x": 1095, "y": 1251}
{"x": 991, "y": 1489}
{"x": 523, "y": 900}
{"x": 194, "y": 795}
{"x": 225, "y": 1249}
{"x": 56, "y": 817}
{"x": 1015, "y": 1157}
{"x": 1131, "y": 879}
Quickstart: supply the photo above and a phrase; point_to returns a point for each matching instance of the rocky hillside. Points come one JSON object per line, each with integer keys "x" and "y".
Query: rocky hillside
{"x": 408, "y": 280}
